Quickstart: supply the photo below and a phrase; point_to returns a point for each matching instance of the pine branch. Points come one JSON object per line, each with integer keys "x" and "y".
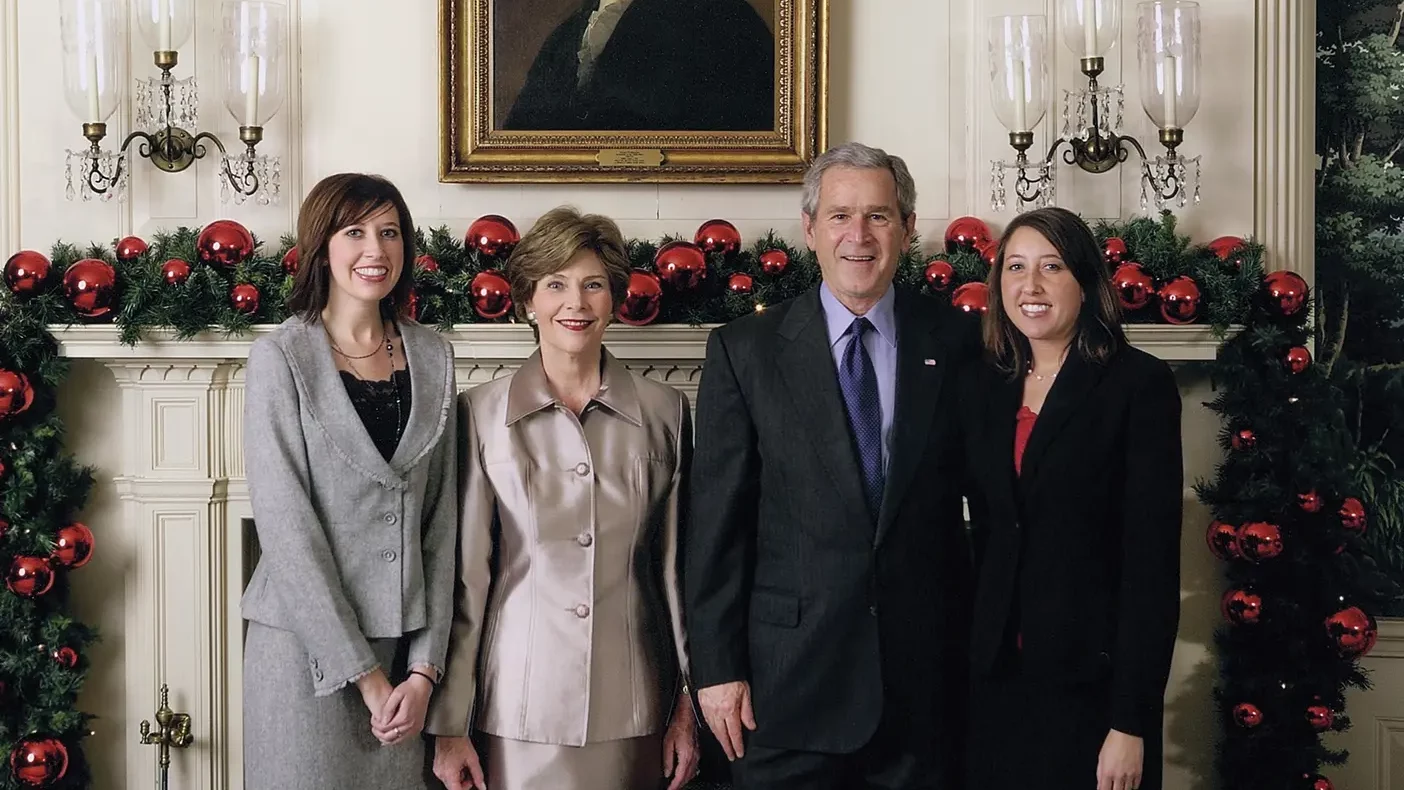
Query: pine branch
{"x": 1389, "y": 367}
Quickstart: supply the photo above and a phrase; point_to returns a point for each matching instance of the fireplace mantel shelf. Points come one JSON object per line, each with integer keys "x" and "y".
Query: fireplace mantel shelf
{"x": 673, "y": 343}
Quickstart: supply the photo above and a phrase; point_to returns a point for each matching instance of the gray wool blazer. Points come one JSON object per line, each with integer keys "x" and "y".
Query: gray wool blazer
{"x": 353, "y": 548}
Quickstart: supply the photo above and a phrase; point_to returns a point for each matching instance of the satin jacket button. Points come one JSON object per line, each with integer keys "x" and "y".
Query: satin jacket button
{"x": 582, "y": 469}
{"x": 388, "y": 555}
{"x": 582, "y": 611}
{"x": 585, "y": 539}
{"x": 390, "y": 518}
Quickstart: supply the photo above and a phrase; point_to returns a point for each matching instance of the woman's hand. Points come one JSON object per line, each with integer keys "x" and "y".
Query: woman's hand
{"x": 456, "y": 764}
{"x": 375, "y": 689}
{"x": 680, "y": 753}
{"x": 1119, "y": 764}
{"x": 402, "y": 714}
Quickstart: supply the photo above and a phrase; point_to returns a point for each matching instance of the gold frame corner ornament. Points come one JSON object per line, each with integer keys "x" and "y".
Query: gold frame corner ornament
{"x": 472, "y": 151}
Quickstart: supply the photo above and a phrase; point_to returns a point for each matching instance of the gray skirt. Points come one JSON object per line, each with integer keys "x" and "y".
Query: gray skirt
{"x": 296, "y": 741}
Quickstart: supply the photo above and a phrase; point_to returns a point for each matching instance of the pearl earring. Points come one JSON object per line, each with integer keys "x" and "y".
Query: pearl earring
{"x": 531, "y": 316}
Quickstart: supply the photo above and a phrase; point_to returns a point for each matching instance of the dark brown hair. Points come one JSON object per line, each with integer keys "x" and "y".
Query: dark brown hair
{"x": 1098, "y": 334}
{"x": 337, "y": 202}
{"x": 554, "y": 240}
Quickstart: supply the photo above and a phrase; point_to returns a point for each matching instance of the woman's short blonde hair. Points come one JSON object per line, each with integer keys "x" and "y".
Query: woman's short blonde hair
{"x": 557, "y": 237}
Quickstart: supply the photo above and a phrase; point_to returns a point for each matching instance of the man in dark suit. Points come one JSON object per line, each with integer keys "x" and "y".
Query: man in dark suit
{"x": 652, "y": 65}
{"x": 827, "y": 571}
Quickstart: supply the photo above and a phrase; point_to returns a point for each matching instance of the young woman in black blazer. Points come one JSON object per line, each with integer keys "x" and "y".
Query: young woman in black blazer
{"x": 1074, "y": 450}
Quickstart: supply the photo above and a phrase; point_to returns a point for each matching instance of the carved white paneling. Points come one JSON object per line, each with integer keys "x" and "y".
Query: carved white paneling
{"x": 10, "y": 202}
{"x": 1286, "y": 134}
{"x": 1376, "y": 738}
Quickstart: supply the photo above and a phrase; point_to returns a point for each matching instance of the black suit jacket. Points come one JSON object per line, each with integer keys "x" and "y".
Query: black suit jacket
{"x": 1080, "y": 553}
{"x": 789, "y": 583}
{"x": 704, "y": 65}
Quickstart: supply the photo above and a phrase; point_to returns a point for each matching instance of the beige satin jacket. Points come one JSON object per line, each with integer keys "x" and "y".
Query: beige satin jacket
{"x": 568, "y": 622}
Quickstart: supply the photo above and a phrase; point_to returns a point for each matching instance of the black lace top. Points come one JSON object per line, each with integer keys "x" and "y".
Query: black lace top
{"x": 377, "y": 404}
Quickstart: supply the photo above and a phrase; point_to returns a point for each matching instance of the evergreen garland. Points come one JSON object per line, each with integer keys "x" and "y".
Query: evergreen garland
{"x": 1293, "y": 562}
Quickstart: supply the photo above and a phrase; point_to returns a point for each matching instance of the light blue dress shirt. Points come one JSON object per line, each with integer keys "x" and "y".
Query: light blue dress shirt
{"x": 880, "y": 345}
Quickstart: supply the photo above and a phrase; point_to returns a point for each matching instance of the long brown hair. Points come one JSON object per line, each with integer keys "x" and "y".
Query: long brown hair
{"x": 1098, "y": 334}
{"x": 334, "y": 203}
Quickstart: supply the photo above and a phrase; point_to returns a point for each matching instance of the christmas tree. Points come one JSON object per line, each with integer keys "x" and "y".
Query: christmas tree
{"x": 1360, "y": 251}
{"x": 42, "y": 647}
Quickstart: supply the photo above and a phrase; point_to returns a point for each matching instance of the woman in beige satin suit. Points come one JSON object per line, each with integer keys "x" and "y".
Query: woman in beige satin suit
{"x": 567, "y": 662}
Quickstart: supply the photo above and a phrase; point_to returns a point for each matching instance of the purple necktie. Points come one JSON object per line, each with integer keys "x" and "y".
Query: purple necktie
{"x": 858, "y": 380}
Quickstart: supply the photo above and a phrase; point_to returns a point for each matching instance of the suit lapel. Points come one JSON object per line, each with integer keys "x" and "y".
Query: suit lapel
{"x": 1069, "y": 391}
{"x": 430, "y": 370}
{"x": 921, "y": 360}
{"x": 806, "y": 365}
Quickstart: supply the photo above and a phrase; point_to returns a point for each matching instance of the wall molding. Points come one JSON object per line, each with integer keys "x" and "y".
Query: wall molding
{"x": 1284, "y": 214}
{"x": 10, "y": 203}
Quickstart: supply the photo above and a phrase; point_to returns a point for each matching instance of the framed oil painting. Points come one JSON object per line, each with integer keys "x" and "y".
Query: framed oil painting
{"x": 730, "y": 91}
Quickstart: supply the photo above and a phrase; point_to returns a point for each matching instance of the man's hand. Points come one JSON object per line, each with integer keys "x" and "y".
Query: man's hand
{"x": 726, "y": 707}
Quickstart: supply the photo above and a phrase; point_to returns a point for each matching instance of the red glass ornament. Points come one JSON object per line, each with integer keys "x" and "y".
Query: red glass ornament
{"x": 1133, "y": 286}
{"x": 4, "y": 527}
{"x": 1309, "y": 502}
{"x": 30, "y": 577}
{"x": 1114, "y": 251}
{"x": 643, "y": 300}
{"x": 740, "y": 283}
{"x": 1353, "y": 515}
{"x": 1286, "y": 293}
{"x": 426, "y": 263}
{"x": 774, "y": 262}
{"x": 492, "y": 235}
{"x": 967, "y": 233}
{"x": 1225, "y": 246}
{"x": 972, "y": 298}
{"x": 939, "y": 275}
{"x": 131, "y": 248}
{"x": 1241, "y": 607}
{"x": 718, "y": 236}
{"x": 1179, "y": 300}
{"x": 26, "y": 273}
{"x": 681, "y": 264}
{"x": 16, "y": 393}
{"x": 1318, "y": 782}
{"x": 244, "y": 297}
{"x": 292, "y": 259}
{"x": 1259, "y": 541}
{"x": 1320, "y": 717}
{"x": 175, "y": 271}
{"x": 1298, "y": 359}
{"x": 989, "y": 251}
{"x": 224, "y": 243}
{"x": 65, "y": 657}
{"x": 492, "y": 295}
{"x": 91, "y": 287}
{"x": 414, "y": 304}
{"x": 1243, "y": 440}
{"x": 1353, "y": 631}
{"x": 1247, "y": 715}
{"x": 1223, "y": 540}
{"x": 73, "y": 546}
{"x": 39, "y": 761}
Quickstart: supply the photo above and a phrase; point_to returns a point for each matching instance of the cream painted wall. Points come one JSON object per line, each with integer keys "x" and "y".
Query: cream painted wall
{"x": 907, "y": 75}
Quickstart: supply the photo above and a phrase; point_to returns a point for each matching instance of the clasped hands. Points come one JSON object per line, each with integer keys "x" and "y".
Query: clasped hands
{"x": 396, "y": 712}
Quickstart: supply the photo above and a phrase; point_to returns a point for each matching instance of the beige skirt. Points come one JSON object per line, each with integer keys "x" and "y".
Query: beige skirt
{"x": 625, "y": 764}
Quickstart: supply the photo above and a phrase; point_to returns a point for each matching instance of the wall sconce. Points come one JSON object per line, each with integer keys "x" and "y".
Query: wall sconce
{"x": 254, "y": 86}
{"x": 1169, "y": 58}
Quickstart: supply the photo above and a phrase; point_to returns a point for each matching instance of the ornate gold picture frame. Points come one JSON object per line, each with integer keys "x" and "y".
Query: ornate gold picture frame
{"x": 632, "y": 90}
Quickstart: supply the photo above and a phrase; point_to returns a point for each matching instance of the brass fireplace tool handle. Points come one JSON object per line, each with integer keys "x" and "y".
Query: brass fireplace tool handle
{"x": 174, "y": 731}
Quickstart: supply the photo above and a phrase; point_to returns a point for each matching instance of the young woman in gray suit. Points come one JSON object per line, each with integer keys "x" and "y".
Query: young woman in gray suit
{"x": 567, "y": 635}
{"x": 349, "y": 450}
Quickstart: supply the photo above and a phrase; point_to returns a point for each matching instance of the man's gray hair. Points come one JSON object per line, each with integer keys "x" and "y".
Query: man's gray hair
{"x": 860, "y": 156}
